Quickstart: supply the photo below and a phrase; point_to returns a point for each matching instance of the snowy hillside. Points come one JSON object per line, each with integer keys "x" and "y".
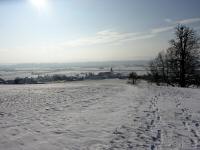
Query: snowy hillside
{"x": 92, "y": 115}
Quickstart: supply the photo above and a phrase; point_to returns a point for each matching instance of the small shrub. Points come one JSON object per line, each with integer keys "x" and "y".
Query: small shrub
{"x": 133, "y": 76}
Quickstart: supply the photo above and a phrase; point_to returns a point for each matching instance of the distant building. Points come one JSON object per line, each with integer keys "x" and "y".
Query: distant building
{"x": 111, "y": 69}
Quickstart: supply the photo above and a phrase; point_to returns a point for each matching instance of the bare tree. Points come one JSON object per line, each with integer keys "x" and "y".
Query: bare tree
{"x": 185, "y": 56}
{"x": 159, "y": 68}
{"x": 133, "y": 76}
{"x": 180, "y": 64}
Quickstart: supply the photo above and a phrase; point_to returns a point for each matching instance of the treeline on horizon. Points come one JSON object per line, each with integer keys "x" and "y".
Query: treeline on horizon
{"x": 64, "y": 78}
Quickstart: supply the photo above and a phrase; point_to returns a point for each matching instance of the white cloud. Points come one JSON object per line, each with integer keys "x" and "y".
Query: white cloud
{"x": 162, "y": 29}
{"x": 113, "y": 37}
{"x": 173, "y": 24}
{"x": 109, "y": 36}
{"x": 106, "y": 37}
{"x": 168, "y": 20}
{"x": 188, "y": 21}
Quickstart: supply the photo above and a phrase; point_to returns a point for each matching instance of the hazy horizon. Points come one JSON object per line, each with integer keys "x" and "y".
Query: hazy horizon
{"x": 64, "y": 31}
{"x": 79, "y": 62}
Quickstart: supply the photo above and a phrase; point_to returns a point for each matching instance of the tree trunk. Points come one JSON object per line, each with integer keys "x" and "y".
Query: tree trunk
{"x": 182, "y": 63}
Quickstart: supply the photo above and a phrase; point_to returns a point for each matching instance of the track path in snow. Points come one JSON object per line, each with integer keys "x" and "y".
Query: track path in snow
{"x": 90, "y": 115}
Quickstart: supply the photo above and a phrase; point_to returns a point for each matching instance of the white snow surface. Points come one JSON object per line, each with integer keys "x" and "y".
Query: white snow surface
{"x": 99, "y": 115}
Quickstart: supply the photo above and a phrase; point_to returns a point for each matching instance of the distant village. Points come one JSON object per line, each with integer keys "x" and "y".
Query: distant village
{"x": 63, "y": 78}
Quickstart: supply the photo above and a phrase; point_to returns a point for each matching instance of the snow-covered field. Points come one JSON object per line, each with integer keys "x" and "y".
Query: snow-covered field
{"x": 92, "y": 115}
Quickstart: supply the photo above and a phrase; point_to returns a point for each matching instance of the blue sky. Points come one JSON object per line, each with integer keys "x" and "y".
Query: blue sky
{"x": 90, "y": 30}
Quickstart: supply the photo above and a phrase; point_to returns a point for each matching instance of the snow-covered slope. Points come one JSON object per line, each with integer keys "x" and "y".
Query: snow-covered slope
{"x": 90, "y": 115}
